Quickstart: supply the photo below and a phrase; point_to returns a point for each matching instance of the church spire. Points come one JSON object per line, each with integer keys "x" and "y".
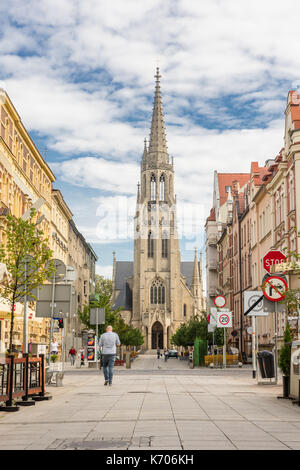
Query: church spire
{"x": 195, "y": 279}
{"x": 158, "y": 142}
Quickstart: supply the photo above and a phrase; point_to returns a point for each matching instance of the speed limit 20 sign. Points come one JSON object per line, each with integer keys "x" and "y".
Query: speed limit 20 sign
{"x": 224, "y": 320}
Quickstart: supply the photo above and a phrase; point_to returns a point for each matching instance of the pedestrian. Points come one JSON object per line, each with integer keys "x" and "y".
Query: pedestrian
{"x": 72, "y": 354}
{"x": 81, "y": 351}
{"x": 158, "y": 353}
{"x": 109, "y": 341}
{"x": 54, "y": 346}
{"x": 166, "y": 354}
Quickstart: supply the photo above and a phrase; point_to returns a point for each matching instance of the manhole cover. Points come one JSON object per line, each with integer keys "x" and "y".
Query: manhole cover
{"x": 89, "y": 445}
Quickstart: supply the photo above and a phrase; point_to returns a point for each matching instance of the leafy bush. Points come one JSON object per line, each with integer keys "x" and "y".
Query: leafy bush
{"x": 54, "y": 357}
{"x": 285, "y": 352}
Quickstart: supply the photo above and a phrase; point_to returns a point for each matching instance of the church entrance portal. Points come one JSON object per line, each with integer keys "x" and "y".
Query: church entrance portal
{"x": 157, "y": 335}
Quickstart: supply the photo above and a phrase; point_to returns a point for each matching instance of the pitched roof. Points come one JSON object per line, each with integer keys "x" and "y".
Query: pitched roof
{"x": 226, "y": 179}
{"x": 187, "y": 268}
{"x": 212, "y": 215}
{"x": 124, "y": 270}
{"x": 293, "y": 100}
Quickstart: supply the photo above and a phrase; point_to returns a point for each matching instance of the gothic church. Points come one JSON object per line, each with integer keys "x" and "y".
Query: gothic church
{"x": 157, "y": 292}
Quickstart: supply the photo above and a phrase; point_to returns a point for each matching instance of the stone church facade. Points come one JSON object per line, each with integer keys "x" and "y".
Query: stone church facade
{"x": 157, "y": 292}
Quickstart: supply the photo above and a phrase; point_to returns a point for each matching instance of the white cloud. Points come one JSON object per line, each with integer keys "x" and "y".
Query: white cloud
{"x": 104, "y": 270}
{"x": 84, "y": 82}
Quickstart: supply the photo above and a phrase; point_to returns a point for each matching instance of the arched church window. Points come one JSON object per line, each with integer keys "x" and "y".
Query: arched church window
{"x": 150, "y": 245}
{"x": 162, "y": 188}
{"x": 164, "y": 245}
{"x": 157, "y": 292}
{"x": 153, "y": 188}
{"x": 184, "y": 310}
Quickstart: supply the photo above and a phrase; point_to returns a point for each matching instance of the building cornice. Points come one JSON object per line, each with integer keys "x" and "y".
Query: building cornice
{"x": 25, "y": 135}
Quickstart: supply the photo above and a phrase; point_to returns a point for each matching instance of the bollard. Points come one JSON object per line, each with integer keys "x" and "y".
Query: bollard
{"x": 128, "y": 360}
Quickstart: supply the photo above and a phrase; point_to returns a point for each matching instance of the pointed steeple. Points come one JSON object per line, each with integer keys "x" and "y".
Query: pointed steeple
{"x": 158, "y": 142}
{"x": 138, "y": 199}
{"x": 196, "y": 278}
{"x": 145, "y": 153}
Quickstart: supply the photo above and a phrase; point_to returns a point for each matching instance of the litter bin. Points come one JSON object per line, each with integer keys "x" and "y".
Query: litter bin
{"x": 266, "y": 364}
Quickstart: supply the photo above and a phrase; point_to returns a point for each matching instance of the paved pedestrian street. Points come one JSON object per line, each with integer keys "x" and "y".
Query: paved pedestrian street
{"x": 156, "y": 405}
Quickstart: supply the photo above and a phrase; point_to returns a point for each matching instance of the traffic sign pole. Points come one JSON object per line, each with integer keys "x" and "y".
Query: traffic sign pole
{"x": 224, "y": 350}
{"x": 253, "y": 318}
{"x": 51, "y": 319}
{"x": 275, "y": 341}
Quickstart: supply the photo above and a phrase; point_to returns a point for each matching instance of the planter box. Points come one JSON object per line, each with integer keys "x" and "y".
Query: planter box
{"x": 55, "y": 367}
{"x": 119, "y": 363}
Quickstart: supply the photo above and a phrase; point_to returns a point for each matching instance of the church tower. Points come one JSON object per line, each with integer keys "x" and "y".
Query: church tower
{"x": 157, "y": 292}
{"x": 156, "y": 250}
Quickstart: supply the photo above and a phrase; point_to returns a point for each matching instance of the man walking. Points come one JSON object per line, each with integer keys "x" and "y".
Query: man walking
{"x": 108, "y": 342}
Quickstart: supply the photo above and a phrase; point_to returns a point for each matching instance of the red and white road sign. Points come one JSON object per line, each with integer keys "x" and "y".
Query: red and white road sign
{"x": 272, "y": 258}
{"x": 275, "y": 288}
{"x": 224, "y": 320}
{"x": 220, "y": 301}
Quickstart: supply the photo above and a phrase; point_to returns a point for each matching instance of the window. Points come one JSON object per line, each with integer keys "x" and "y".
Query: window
{"x": 157, "y": 292}
{"x": 184, "y": 310}
{"x": 164, "y": 245}
{"x": 277, "y": 208}
{"x": 153, "y": 188}
{"x": 162, "y": 188}
{"x": 291, "y": 192}
{"x": 150, "y": 245}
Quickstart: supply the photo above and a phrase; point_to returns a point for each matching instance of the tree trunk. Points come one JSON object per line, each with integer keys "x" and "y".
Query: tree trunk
{"x": 12, "y": 325}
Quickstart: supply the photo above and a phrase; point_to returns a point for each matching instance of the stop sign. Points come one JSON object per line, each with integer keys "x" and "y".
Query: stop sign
{"x": 272, "y": 258}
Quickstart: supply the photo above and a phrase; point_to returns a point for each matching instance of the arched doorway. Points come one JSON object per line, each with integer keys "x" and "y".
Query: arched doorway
{"x": 157, "y": 335}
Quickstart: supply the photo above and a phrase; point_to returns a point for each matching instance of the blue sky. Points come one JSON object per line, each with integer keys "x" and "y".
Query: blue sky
{"x": 81, "y": 77}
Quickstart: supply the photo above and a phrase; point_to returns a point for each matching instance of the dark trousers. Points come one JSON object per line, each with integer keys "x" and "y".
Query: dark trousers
{"x": 108, "y": 361}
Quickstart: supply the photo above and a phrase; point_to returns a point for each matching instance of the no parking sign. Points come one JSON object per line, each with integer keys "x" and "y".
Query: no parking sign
{"x": 224, "y": 319}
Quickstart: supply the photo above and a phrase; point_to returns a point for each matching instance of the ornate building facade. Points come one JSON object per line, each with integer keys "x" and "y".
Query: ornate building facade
{"x": 25, "y": 177}
{"x": 157, "y": 291}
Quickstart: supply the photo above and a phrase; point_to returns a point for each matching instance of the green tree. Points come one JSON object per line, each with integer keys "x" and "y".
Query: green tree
{"x": 103, "y": 286}
{"x": 284, "y": 361}
{"x": 197, "y": 328}
{"x": 186, "y": 334}
{"x": 132, "y": 337}
{"x": 180, "y": 336}
{"x": 219, "y": 336}
{"x": 112, "y": 317}
{"x": 23, "y": 239}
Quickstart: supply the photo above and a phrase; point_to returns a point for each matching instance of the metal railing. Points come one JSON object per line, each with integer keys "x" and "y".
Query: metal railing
{"x": 21, "y": 378}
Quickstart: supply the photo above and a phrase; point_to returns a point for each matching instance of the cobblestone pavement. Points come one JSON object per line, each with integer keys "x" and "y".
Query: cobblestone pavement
{"x": 172, "y": 410}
